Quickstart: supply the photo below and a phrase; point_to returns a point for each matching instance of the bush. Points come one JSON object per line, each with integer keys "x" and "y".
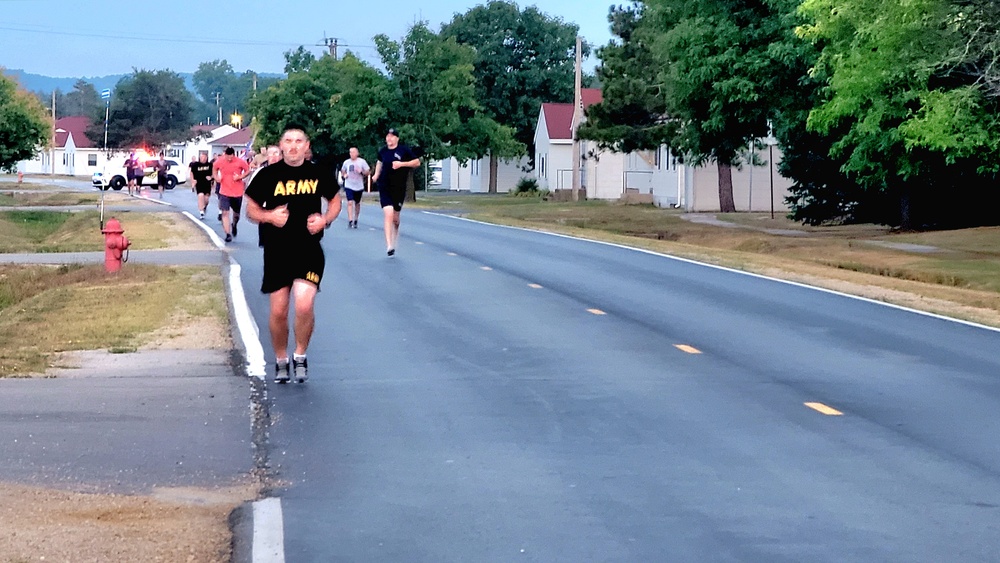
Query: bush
{"x": 526, "y": 186}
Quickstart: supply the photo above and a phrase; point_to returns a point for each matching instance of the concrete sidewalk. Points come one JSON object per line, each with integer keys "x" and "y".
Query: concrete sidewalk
{"x": 129, "y": 423}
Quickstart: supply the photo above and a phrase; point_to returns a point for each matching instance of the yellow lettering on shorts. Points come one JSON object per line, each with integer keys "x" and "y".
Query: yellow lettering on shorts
{"x": 312, "y": 277}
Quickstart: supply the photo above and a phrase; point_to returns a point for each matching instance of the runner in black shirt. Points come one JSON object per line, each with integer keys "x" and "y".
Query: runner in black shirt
{"x": 201, "y": 181}
{"x": 286, "y": 200}
{"x": 395, "y": 161}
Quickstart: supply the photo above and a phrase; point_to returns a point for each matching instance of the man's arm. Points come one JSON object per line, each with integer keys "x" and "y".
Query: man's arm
{"x": 257, "y": 214}
{"x": 332, "y": 209}
{"x": 378, "y": 171}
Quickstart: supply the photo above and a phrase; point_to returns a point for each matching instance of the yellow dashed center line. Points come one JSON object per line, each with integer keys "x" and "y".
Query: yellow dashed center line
{"x": 596, "y": 312}
{"x": 486, "y": 268}
{"x": 688, "y": 349}
{"x": 820, "y": 407}
{"x": 534, "y": 286}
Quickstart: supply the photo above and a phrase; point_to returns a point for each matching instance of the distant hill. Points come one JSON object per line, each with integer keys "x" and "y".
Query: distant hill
{"x": 46, "y": 84}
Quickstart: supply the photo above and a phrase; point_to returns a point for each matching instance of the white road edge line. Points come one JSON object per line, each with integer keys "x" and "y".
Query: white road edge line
{"x": 216, "y": 240}
{"x": 247, "y": 327}
{"x": 268, "y": 532}
{"x": 268, "y": 542}
{"x": 725, "y": 269}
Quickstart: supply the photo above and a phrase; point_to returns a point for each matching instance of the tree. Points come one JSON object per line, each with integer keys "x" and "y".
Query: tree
{"x": 633, "y": 113}
{"x": 147, "y": 108}
{"x": 917, "y": 129}
{"x": 343, "y": 103}
{"x": 298, "y": 60}
{"x": 24, "y": 124}
{"x": 436, "y": 106}
{"x": 82, "y": 100}
{"x": 523, "y": 58}
{"x": 726, "y": 67}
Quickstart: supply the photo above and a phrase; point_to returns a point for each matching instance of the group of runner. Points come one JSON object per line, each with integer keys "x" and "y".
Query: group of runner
{"x": 285, "y": 198}
{"x": 135, "y": 171}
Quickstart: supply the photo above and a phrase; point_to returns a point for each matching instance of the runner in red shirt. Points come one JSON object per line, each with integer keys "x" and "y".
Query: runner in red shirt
{"x": 230, "y": 171}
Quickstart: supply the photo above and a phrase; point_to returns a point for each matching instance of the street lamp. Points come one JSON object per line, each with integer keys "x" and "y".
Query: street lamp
{"x": 236, "y": 120}
{"x": 770, "y": 141}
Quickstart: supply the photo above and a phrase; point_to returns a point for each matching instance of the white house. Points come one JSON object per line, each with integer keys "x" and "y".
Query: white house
{"x": 474, "y": 175}
{"x": 608, "y": 175}
{"x": 75, "y": 154}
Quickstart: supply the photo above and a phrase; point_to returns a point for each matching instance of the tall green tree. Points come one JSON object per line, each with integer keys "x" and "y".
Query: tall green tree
{"x": 82, "y": 100}
{"x": 343, "y": 103}
{"x": 298, "y": 60}
{"x": 147, "y": 108}
{"x": 633, "y": 113}
{"x": 726, "y": 67}
{"x": 24, "y": 124}
{"x": 523, "y": 58}
{"x": 917, "y": 128}
{"x": 219, "y": 87}
{"x": 436, "y": 105}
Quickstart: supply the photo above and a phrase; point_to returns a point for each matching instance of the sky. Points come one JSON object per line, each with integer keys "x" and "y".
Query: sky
{"x": 74, "y": 38}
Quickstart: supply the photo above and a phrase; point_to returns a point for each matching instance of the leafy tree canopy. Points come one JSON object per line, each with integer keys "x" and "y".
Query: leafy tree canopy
{"x": 24, "y": 124}
{"x": 147, "y": 108}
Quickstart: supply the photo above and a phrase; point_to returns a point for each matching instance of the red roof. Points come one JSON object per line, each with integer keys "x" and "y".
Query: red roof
{"x": 239, "y": 138}
{"x": 204, "y": 128}
{"x": 559, "y": 117}
{"x": 76, "y": 126}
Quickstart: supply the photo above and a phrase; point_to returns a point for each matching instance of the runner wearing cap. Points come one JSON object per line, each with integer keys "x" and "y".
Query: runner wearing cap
{"x": 395, "y": 160}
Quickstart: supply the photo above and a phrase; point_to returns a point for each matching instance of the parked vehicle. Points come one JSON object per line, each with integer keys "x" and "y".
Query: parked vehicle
{"x": 115, "y": 177}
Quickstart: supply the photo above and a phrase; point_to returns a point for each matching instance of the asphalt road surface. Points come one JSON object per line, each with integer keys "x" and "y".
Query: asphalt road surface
{"x": 493, "y": 394}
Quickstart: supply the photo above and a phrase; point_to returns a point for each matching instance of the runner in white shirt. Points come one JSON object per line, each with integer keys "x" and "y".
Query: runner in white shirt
{"x": 354, "y": 171}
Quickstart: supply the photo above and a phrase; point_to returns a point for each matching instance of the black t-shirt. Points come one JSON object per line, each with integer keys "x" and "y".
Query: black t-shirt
{"x": 302, "y": 189}
{"x": 394, "y": 179}
{"x": 201, "y": 173}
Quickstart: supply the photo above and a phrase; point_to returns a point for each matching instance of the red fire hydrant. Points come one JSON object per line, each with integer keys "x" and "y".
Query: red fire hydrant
{"x": 115, "y": 246}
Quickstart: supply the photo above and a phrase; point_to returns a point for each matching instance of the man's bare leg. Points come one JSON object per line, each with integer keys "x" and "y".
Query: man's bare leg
{"x": 278, "y": 322}
{"x": 305, "y": 316}
{"x": 390, "y": 239}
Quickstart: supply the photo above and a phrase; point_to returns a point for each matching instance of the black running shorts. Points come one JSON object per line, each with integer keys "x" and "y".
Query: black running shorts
{"x": 203, "y": 188}
{"x": 353, "y": 195}
{"x": 283, "y": 265}
{"x": 388, "y": 196}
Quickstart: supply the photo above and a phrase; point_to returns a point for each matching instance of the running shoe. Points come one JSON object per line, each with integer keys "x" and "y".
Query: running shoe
{"x": 220, "y": 216}
{"x": 281, "y": 373}
{"x": 234, "y": 230}
{"x": 391, "y": 252}
{"x": 229, "y": 238}
{"x": 202, "y": 214}
{"x": 301, "y": 370}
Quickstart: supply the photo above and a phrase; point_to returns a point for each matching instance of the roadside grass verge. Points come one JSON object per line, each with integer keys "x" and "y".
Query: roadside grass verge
{"x": 56, "y": 231}
{"x": 963, "y": 273}
{"x": 49, "y": 198}
{"x": 45, "y": 310}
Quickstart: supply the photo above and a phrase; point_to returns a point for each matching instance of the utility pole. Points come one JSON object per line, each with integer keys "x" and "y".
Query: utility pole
{"x": 331, "y": 43}
{"x": 218, "y": 106}
{"x": 52, "y": 151}
{"x": 577, "y": 117}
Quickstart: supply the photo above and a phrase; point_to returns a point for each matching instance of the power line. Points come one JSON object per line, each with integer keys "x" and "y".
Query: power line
{"x": 155, "y": 39}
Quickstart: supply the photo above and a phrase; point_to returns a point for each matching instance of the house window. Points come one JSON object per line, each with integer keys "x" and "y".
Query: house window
{"x": 65, "y": 161}
{"x": 541, "y": 165}
{"x": 657, "y": 161}
{"x": 92, "y": 159}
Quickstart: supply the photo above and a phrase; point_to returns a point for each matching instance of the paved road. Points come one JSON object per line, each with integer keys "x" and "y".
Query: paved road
{"x": 496, "y": 395}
